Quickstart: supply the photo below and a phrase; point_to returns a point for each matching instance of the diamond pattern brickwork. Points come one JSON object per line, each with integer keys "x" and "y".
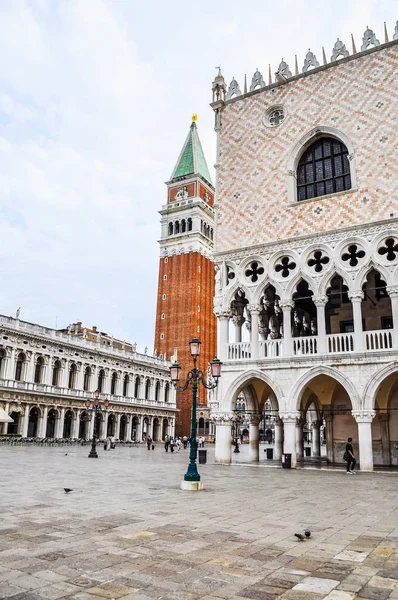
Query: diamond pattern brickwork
{"x": 359, "y": 98}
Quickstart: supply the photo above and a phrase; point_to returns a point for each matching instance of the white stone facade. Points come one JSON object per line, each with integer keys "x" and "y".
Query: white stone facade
{"x": 46, "y": 377}
{"x": 307, "y": 290}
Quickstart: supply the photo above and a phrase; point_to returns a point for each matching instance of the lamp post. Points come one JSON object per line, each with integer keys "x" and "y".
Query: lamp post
{"x": 194, "y": 377}
{"x": 95, "y": 409}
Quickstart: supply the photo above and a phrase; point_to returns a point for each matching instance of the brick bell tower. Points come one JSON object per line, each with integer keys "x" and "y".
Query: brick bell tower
{"x": 186, "y": 270}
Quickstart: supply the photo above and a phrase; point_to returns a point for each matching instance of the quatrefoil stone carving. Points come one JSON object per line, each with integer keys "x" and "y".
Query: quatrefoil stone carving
{"x": 254, "y": 272}
{"x": 353, "y": 255}
{"x": 230, "y": 274}
{"x": 318, "y": 261}
{"x": 285, "y": 266}
{"x": 389, "y": 250}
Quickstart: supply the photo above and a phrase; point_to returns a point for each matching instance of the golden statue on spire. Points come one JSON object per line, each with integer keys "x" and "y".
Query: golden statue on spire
{"x": 194, "y": 118}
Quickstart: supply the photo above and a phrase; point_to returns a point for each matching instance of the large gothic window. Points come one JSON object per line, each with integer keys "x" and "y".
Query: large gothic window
{"x": 323, "y": 169}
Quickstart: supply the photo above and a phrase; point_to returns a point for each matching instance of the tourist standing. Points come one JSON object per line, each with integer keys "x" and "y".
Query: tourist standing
{"x": 351, "y": 462}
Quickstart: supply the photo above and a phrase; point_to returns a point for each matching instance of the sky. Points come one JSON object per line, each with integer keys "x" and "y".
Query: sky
{"x": 96, "y": 98}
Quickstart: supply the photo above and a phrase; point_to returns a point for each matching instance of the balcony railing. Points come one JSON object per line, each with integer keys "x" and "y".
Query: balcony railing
{"x": 42, "y": 388}
{"x": 336, "y": 343}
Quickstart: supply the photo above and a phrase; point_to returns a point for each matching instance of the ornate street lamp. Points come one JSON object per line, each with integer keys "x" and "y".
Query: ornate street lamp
{"x": 95, "y": 408}
{"x": 194, "y": 377}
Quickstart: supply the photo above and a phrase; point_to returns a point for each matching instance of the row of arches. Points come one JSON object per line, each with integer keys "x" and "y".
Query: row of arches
{"x": 181, "y": 226}
{"x": 207, "y": 230}
{"x": 53, "y": 423}
{"x": 123, "y": 386}
{"x": 323, "y": 399}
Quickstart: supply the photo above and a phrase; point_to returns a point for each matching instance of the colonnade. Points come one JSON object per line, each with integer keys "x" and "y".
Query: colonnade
{"x": 136, "y": 426}
{"x": 289, "y": 437}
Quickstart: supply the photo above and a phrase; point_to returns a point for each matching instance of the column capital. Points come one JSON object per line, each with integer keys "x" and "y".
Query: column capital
{"x": 223, "y": 313}
{"x": 286, "y": 305}
{"x": 363, "y": 416}
{"x": 290, "y": 417}
{"x": 392, "y": 291}
{"x": 356, "y": 296}
{"x": 255, "y": 309}
{"x": 320, "y": 300}
{"x": 225, "y": 418}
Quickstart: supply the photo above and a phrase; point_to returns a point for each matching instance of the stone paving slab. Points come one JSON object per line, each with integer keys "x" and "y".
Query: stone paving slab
{"x": 128, "y": 532}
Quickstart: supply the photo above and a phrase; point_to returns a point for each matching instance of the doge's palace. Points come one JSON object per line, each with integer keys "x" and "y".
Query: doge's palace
{"x": 306, "y": 252}
{"x": 47, "y": 376}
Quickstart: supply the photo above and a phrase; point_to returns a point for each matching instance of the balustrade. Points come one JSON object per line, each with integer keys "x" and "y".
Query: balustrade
{"x": 379, "y": 340}
{"x": 305, "y": 345}
{"x": 340, "y": 342}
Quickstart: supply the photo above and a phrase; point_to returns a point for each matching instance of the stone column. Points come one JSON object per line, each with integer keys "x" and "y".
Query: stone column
{"x": 76, "y": 424}
{"x": 356, "y": 300}
{"x": 385, "y": 438}
{"x": 105, "y": 425}
{"x": 278, "y": 439}
{"x": 238, "y": 321}
{"x": 254, "y": 438}
{"x": 289, "y": 430}
{"x": 329, "y": 437}
{"x": 25, "y": 421}
{"x": 223, "y": 320}
{"x": 60, "y": 425}
{"x": 316, "y": 438}
{"x": 223, "y": 444}
{"x": 287, "y": 327}
{"x": 393, "y": 293}
{"x": 9, "y": 370}
{"x": 117, "y": 432}
{"x": 138, "y": 429}
{"x": 320, "y": 303}
{"x": 364, "y": 419}
{"x": 128, "y": 427}
{"x": 79, "y": 377}
{"x": 42, "y": 425}
{"x": 48, "y": 376}
{"x": 255, "y": 310}
{"x": 299, "y": 438}
{"x": 30, "y": 367}
{"x": 89, "y": 428}
{"x": 5, "y": 425}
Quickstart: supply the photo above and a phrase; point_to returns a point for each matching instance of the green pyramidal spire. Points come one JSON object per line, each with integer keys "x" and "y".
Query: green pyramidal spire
{"x": 192, "y": 159}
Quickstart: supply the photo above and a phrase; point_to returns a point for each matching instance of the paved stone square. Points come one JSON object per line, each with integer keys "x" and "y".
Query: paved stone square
{"x": 127, "y": 530}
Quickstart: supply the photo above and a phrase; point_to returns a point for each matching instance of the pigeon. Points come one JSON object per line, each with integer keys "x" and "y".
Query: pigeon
{"x": 66, "y": 454}
{"x": 307, "y": 533}
{"x": 300, "y": 537}
{"x": 67, "y": 490}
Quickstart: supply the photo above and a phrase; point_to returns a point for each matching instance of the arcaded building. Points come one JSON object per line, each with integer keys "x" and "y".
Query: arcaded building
{"x": 47, "y": 375}
{"x": 306, "y": 251}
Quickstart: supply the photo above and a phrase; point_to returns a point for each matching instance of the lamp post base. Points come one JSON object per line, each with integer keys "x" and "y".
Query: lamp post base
{"x": 93, "y": 454}
{"x": 192, "y": 486}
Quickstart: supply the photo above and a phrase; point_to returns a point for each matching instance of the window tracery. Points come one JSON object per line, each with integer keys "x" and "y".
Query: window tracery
{"x": 323, "y": 169}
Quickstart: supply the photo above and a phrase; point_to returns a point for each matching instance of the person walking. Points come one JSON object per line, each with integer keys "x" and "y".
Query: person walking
{"x": 166, "y": 443}
{"x": 350, "y": 457}
{"x": 149, "y": 442}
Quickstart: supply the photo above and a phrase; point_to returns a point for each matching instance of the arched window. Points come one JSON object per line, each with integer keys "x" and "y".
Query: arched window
{"x": 19, "y": 366}
{"x": 183, "y": 226}
{"x": 126, "y": 385}
{"x": 39, "y": 369}
{"x": 72, "y": 377}
{"x": 101, "y": 378}
{"x": 189, "y": 224}
{"x": 56, "y": 371}
{"x": 211, "y": 234}
{"x": 147, "y": 386}
{"x": 177, "y": 227}
{"x": 323, "y": 169}
{"x": 166, "y": 392}
{"x": 170, "y": 228}
{"x": 137, "y": 387}
{"x": 114, "y": 383}
{"x": 87, "y": 377}
{"x": 157, "y": 391}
